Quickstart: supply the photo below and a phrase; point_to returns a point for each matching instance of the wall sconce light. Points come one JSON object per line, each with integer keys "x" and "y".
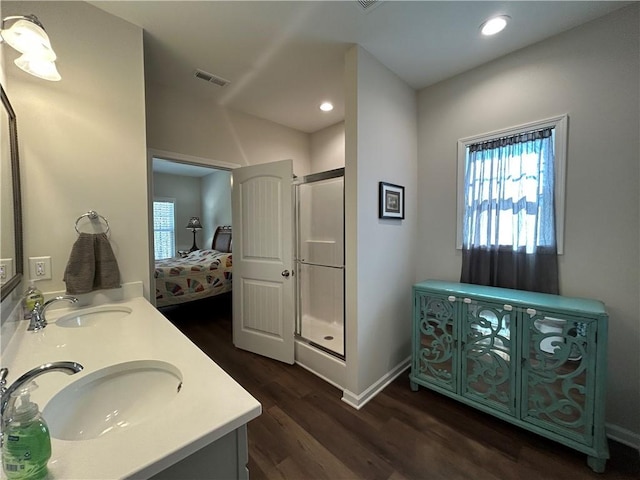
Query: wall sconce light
{"x": 194, "y": 225}
{"x": 26, "y": 34}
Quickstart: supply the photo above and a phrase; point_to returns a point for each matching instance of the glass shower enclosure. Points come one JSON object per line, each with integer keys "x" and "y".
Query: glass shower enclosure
{"x": 320, "y": 261}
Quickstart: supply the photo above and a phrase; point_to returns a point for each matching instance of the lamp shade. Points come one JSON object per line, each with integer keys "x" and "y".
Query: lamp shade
{"x": 38, "y": 67}
{"x": 194, "y": 223}
{"x": 27, "y": 36}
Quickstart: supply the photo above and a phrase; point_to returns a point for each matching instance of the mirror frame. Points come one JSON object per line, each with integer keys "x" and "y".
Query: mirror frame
{"x": 14, "y": 281}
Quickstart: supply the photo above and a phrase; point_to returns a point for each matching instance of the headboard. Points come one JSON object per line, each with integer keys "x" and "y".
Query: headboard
{"x": 222, "y": 239}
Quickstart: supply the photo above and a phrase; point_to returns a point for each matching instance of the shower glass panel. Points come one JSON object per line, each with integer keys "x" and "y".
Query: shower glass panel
{"x": 320, "y": 260}
{"x": 322, "y": 306}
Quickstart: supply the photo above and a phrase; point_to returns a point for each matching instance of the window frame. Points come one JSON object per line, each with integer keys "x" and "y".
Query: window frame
{"x": 560, "y": 124}
{"x": 175, "y": 245}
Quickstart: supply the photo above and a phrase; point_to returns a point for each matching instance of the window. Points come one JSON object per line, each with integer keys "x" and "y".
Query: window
{"x": 164, "y": 237}
{"x": 511, "y": 187}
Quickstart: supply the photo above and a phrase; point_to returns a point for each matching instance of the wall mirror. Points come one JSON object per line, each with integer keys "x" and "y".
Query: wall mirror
{"x": 11, "y": 262}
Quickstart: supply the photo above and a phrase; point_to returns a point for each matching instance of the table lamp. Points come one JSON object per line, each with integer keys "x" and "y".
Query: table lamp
{"x": 194, "y": 224}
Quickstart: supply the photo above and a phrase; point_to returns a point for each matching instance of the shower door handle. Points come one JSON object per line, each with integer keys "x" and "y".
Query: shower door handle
{"x": 285, "y": 273}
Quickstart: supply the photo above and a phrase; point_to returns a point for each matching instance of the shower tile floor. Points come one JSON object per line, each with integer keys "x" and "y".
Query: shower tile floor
{"x": 323, "y": 333}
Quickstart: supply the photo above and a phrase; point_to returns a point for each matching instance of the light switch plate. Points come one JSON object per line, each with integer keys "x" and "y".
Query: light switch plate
{"x": 40, "y": 268}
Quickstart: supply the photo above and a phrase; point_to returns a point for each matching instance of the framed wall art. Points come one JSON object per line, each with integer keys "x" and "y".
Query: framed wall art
{"x": 391, "y": 201}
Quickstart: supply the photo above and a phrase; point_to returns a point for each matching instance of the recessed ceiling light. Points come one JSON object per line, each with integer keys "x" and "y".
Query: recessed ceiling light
{"x": 326, "y": 107}
{"x": 494, "y": 25}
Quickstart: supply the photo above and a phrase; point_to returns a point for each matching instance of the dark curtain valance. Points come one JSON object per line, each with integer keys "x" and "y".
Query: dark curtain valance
{"x": 504, "y": 267}
{"x": 511, "y": 140}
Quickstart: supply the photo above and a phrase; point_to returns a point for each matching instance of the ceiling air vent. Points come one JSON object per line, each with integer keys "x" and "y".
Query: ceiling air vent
{"x": 211, "y": 78}
{"x": 368, "y": 5}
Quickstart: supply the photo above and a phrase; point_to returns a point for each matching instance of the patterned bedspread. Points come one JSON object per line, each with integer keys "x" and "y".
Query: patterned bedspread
{"x": 201, "y": 274}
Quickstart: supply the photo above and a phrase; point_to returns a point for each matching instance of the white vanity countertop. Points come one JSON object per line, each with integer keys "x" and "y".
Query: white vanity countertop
{"x": 209, "y": 405}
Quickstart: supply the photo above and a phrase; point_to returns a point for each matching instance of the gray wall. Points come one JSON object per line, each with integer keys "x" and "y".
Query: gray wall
{"x": 207, "y": 197}
{"x": 327, "y": 148}
{"x": 82, "y": 140}
{"x": 179, "y": 123}
{"x": 592, "y": 74}
{"x": 216, "y": 202}
{"x": 381, "y": 145}
{"x": 187, "y": 194}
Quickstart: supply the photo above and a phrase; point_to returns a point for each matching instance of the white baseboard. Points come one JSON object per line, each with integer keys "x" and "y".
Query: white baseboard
{"x": 359, "y": 401}
{"x": 624, "y": 436}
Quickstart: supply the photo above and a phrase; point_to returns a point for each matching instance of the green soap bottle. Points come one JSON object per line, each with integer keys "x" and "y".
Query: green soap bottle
{"x": 32, "y": 296}
{"x": 27, "y": 445}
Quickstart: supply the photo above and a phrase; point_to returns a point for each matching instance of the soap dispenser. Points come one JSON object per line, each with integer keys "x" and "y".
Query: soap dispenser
{"x": 32, "y": 296}
{"x": 26, "y": 445}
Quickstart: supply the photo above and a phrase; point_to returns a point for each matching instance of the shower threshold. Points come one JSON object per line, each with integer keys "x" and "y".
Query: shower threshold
{"x": 320, "y": 347}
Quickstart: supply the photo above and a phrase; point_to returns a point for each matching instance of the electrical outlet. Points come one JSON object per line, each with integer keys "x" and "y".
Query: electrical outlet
{"x": 40, "y": 268}
{"x": 6, "y": 269}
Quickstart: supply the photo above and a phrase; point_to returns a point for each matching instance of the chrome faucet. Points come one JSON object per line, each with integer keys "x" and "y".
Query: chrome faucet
{"x": 69, "y": 368}
{"x": 38, "y": 320}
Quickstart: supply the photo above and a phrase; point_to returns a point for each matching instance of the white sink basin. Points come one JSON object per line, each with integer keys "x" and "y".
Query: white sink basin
{"x": 112, "y": 399}
{"x": 91, "y": 316}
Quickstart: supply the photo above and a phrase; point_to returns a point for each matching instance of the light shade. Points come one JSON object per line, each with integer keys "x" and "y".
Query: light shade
{"x": 38, "y": 67}
{"x": 194, "y": 223}
{"x": 28, "y": 36}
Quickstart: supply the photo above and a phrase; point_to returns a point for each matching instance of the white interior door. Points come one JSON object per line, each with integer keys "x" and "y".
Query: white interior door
{"x": 263, "y": 302}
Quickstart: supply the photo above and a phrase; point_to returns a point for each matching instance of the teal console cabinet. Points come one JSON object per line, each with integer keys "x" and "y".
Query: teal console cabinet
{"x": 532, "y": 359}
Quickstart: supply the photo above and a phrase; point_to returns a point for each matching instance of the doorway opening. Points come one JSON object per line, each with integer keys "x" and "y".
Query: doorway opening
{"x": 194, "y": 188}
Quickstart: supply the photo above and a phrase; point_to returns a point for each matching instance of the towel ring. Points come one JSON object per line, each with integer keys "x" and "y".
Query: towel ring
{"x": 92, "y": 215}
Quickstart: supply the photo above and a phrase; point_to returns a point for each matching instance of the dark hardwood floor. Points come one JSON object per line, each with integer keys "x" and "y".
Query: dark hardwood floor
{"x": 307, "y": 432}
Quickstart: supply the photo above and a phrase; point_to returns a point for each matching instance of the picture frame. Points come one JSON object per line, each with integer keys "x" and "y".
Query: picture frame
{"x": 391, "y": 198}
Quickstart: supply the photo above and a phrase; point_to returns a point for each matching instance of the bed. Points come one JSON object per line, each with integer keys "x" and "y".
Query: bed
{"x": 199, "y": 274}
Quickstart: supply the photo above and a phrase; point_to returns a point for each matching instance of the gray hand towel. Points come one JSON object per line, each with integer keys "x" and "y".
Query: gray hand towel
{"x": 107, "y": 271}
{"x": 81, "y": 267}
{"x": 92, "y": 265}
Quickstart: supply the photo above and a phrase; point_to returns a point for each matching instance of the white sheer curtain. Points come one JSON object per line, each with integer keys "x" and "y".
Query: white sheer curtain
{"x": 509, "y": 236}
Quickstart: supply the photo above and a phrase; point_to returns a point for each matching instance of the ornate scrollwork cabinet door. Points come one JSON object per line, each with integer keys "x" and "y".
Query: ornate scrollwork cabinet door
{"x": 488, "y": 373}
{"x": 558, "y": 391}
{"x": 434, "y": 334}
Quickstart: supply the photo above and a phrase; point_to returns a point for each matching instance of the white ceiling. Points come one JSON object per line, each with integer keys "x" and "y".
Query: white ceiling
{"x": 284, "y": 58}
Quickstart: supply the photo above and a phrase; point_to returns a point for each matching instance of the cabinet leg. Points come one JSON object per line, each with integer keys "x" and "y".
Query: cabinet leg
{"x": 414, "y": 386}
{"x": 596, "y": 464}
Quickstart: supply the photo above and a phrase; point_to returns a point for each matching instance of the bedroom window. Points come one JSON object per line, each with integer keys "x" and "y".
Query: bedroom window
{"x": 164, "y": 239}
{"x": 511, "y": 204}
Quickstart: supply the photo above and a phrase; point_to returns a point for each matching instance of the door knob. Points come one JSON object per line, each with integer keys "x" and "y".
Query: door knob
{"x": 285, "y": 273}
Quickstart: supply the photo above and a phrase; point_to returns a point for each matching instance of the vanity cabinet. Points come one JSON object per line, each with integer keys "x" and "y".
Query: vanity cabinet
{"x": 224, "y": 459}
{"x": 535, "y": 360}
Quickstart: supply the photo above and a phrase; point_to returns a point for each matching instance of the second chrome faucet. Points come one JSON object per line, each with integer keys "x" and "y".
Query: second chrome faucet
{"x": 38, "y": 320}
